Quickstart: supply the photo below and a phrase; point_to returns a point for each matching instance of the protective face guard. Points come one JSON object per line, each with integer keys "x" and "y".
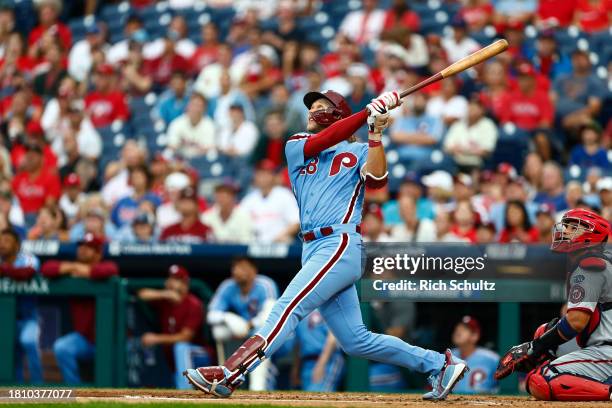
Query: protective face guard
{"x": 327, "y": 116}
{"x": 563, "y": 241}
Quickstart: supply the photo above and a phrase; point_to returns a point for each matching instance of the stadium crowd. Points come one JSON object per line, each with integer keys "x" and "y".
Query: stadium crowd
{"x": 121, "y": 131}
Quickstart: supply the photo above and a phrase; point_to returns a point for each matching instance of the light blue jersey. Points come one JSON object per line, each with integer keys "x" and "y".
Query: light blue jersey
{"x": 228, "y": 297}
{"x": 479, "y": 379}
{"x": 329, "y": 187}
{"x": 26, "y": 305}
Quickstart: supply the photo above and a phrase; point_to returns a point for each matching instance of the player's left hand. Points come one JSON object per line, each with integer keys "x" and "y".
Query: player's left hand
{"x": 519, "y": 358}
{"x": 378, "y": 120}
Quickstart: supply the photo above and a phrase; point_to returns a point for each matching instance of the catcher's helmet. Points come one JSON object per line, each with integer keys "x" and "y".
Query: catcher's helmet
{"x": 579, "y": 229}
{"x": 325, "y": 117}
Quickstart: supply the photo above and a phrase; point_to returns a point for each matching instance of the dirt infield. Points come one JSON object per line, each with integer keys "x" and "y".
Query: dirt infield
{"x": 303, "y": 399}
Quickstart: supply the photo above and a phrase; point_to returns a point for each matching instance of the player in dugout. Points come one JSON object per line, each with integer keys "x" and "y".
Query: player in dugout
{"x": 80, "y": 344}
{"x": 19, "y": 265}
{"x": 584, "y": 374}
{"x": 181, "y": 318}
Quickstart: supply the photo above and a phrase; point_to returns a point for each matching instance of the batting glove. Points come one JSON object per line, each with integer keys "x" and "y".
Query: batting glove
{"x": 389, "y": 100}
{"x": 378, "y": 120}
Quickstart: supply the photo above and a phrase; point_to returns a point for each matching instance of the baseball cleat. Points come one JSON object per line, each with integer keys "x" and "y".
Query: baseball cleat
{"x": 442, "y": 383}
{"x": 212, "y": 380}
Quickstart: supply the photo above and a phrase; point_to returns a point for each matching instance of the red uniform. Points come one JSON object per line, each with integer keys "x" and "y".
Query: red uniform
{"x": 195, "y": 234}
{"x": 510, "y": 235}
{"x": 83, "y": 310}
{"x": 104, "y": 108}
{"x": 561, "y": 11}
{"x": 174, "y": 317}
{"x": 34, "y": 191}
{"x": 594, "y": 18}
{"x": 528, "y": 112}
{"x": 59, "y": 30}
{"x": 49, "y": 158}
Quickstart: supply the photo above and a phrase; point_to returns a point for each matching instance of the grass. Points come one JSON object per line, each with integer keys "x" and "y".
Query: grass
{"x": 127, "y": 404}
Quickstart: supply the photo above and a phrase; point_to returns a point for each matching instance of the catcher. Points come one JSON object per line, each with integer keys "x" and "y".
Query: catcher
{"x": 584, "y": 374}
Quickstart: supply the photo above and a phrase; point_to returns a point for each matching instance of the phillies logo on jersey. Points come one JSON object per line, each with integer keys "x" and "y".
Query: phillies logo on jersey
{"x": 344, "y": 159}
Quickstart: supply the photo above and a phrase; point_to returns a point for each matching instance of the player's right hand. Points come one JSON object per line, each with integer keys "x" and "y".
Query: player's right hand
{"x": 390, "y": 100}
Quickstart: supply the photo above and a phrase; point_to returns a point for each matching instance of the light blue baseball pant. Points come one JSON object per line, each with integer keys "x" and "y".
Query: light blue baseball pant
{"x": 69, "y": 350}
{"x": 28, "y": 332}
{"x": 330, "y": 267}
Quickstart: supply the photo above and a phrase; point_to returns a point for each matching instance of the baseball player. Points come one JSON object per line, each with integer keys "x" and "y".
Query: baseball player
{"x": 19, "y": 265}
{"x": 320, "y": 362}
{"x": 239, "y": 307}
{"x": 328, "y": 171}
{"x": 584, "y": 374}
{"x": 483, "y": 362}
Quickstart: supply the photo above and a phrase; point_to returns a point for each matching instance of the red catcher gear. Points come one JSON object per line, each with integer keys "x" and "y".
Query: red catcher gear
{"x": 565, "y": 387}
{"x": 589, "y": 230}
{"x": 326, "y": 117}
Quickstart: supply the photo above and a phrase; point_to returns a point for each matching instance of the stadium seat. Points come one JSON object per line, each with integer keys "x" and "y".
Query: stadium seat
{"x": 512, "y": 146}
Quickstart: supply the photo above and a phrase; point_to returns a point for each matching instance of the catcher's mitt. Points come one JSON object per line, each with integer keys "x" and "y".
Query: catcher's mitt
{"x": 519, "y": 358}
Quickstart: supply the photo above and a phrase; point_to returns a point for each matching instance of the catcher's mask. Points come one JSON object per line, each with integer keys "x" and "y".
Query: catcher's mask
{"x": 579, "y": 229}
{"x": 325, "y": 117}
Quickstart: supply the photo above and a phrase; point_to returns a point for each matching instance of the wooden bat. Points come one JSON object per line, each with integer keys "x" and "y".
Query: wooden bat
{"x": 479, "y": 56}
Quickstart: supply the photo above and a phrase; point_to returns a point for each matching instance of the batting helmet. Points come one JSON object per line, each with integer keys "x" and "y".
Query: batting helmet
{"x": 579, "y": 229}
{"x": 325, "y": 117}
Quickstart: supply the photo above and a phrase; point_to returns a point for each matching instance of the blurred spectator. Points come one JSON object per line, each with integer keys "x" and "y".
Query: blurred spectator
{"x": 578, "y": 95}
{"x": 208, "y": 50}
{"x": 48, "y": 26}
{"x": 544, "y": 223}
{"x": 279, "y": 101}
{"x": 173, "y": 102}
{"x": 161, "y": 67}
{"x": 262, "y": 72}
{"x": 167, "y": 213}
{"x": 373, "y": 225}
{"x": 318, "y": 363}
{"x": 271, "y": 145}
{"x": 361, "y": 95}
{"x": 518, "y": 227}
{"x": 483, "y": 362}
{"x": 19, "y": 265}
{"x": 35, "y": 185}
{"x": 472, "y": 140}
{"x": 416, "y": 134}
{"x": 72, "y": 197}
{"x": 79, "y": 345}
{"x": 9, "y": 205}
{"x": 590, "y": 153}
{"x": 413, "y": 229}
{"x": 117, "y": 183}
{"x": 410, "y": 187}
{"x": 208, "y": 82}
{"x": 189, "y": 229}
{"x": 485, "y": 233}
{"x": 93, "y": 219}
{"x": 286, "y": 30}
{"x": 14, "y": 62}
{"x": 181, "y": 321}
{"x": 229, "y": 222}
{"x": 465, "y": 220}
{"x": 176, "y": 37}
{"x": 135, "y": 80}
{"x": 56, "y": 110}
{"x": 132, "y": 31}
{"x": 574, "y": 196}
{"x": 273, "y": 209}
{"x": 20, "y": 110}
{"x": 549, "y": 60}
{"x": 439, "y": 185}
{"x": 592, "y": 15}
{"x": 7, "y": 25}
{"x": 604, "y": 188}
{"x": 124, "y": 210}
{"x": 495, "y": 81}
{"x": 106, "y": 103}
{"x": 530, "y": 109}
{"x": 552, "y": 13}
{"x": 400, "y": 14}
{"x": 532, "y": 172}
{"x": 552, "y": 188}
{"x": 459, "y": 44}
{"x": 229, "y": 95}
{"x": 240, "y": 306}
{"x": 34, "y": 135}
{"x": 477, "y": 14}
{"x": 240, "y": 138}
{"x": 448, "y": 105}
{"x": 50, "y": 225}
{"x": 77, "y": 125}
{"x": 80, "y": 58}
{"x": 362, "y": 26}
{"x": 193, "y": 133}
{"x": 49, "y": 76}
{"x": 142, "y": 230}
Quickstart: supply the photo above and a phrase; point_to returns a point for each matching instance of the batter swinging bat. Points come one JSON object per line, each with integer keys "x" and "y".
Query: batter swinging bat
{"x": 479, "y": 56}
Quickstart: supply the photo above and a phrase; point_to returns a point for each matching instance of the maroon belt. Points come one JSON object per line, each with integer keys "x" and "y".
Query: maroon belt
{"x": 325, "y": 231}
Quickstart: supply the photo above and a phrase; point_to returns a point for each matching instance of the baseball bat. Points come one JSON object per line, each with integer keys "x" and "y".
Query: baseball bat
{"x": 475, "y": 58}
